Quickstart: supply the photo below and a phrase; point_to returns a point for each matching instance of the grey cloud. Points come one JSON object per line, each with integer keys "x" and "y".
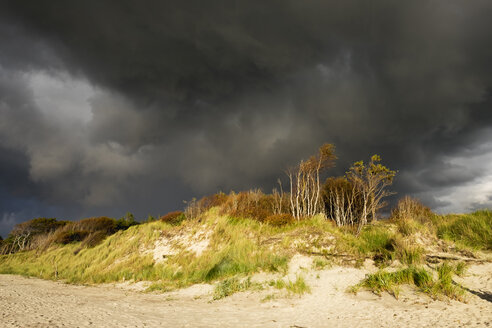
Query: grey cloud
{"x": 225, "y": 96}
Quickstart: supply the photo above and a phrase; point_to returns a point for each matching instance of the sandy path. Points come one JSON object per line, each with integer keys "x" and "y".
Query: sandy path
{"x": 38, "y": 303}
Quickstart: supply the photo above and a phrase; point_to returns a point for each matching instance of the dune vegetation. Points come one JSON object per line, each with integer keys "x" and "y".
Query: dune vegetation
{"x": 226, "y": 238}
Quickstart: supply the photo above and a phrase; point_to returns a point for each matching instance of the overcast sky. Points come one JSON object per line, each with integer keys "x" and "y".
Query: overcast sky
{"x": 115, "y": 106}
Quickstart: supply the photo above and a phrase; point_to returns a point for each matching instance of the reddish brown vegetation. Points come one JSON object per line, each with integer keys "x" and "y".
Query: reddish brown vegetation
{"x": 279, "y": 220}
{"x": 252, "y": 204}
{"x": 173, "y": 218}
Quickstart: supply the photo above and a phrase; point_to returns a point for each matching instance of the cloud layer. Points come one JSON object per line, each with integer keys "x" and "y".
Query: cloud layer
{"x": 107, "y": 108}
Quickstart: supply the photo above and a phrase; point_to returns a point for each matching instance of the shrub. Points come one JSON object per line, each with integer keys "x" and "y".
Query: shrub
{"x": 173, "y": 218}
{"x": 23, "y": 234}
{"x": 37, "y": 226}
{"x": 409, "y": 208}
{"x": 252, "y": 204}
{"x": 343, "y": 204}
{"x": 67, "y": 237}
{"x": 102, "y": 223}
{"x": 126, "y": 222}
{"x": 80, "y": 230}
{"x": 195, "y": 207}
{"x": 279, "y": 220}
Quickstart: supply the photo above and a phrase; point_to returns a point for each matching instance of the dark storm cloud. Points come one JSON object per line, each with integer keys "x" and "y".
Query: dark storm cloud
{"x": 197, "y": 97}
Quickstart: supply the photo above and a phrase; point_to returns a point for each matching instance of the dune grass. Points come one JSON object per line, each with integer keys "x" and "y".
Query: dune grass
{"x": 390, "y": 282}
{"x": 230, "y": 286}
{"x": 239, "y": 247}
{"x": 233, "y": 250}
{"x": 472, "y": 230}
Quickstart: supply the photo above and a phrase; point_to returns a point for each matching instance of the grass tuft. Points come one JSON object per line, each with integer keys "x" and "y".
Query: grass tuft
{"x": 473, "y": 230}
{"x": 383, "y": 281}
{"x": 233, "y": 285}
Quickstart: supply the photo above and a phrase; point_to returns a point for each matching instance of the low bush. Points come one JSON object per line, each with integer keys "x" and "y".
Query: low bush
{"x": 195, "y": 207}
{"x": 66, "y": 237}
{"x": 252, "y": 204}
{"x": 93, "y": 228}
{"x": 23, "y": 234}
{"x": 409, "y": 208}
{"x": 410, "y": 216}
{"x": 173, "y": 218}
{"x": 126, "y": 222}
{"x": 105, "y": 224}
{"x": 279, "y": 220}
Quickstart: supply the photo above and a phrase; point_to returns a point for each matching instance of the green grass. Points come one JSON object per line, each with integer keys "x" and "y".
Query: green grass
{"x": 233, "y": 250}
{"x": 233, "y": 285}
{"x": 299, "y": 286}
{"x": 383, "y": 281}
{"x": 240, "y": 247}
{"x": 390, "y": 282}
{"x": 320, "y": 263}
{"x": 472, "y": 230}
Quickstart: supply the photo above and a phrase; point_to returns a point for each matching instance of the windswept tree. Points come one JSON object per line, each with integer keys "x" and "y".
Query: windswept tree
{"x": 23, "y": 233}
{"x": 305, "y": 188}
{"x": 371, "y": 181}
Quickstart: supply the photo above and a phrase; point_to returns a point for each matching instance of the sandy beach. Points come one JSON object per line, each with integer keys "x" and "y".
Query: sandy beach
{"x": 30, "y": 302}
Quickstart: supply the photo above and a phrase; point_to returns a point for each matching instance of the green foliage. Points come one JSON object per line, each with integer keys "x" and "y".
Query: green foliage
{"x": 173, "y": 218}
{"x": 472, "y": 230}
{"x": 126, "y": 222}
{"x": 150, "y": 218}
{"x": 371, "y": 182}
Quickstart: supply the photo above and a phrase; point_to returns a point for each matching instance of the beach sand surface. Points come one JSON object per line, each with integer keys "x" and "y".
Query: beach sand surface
{"x": 31, "y": 302}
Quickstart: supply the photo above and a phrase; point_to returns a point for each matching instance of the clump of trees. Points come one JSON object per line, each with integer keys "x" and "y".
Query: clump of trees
{"x": 350, "y": 200}
{"x": 41, "y": 233}
{"x": 355, "y": 198}
{"x": 305, "y": 186}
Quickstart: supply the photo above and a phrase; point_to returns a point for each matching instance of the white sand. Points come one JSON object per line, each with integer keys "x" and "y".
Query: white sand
{"x": 38, "y": 303}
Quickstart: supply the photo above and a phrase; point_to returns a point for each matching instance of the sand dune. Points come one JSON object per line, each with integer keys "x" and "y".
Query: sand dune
{"x": 32, "y": 302}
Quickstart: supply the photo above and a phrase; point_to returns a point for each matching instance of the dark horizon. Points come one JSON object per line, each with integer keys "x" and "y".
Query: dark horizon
{"x": 108, "y": 107}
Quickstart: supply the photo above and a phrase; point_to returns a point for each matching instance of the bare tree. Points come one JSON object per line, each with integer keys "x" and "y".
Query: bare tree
{"x": 304, "y": 179}
{"x": 342, "y": 201}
